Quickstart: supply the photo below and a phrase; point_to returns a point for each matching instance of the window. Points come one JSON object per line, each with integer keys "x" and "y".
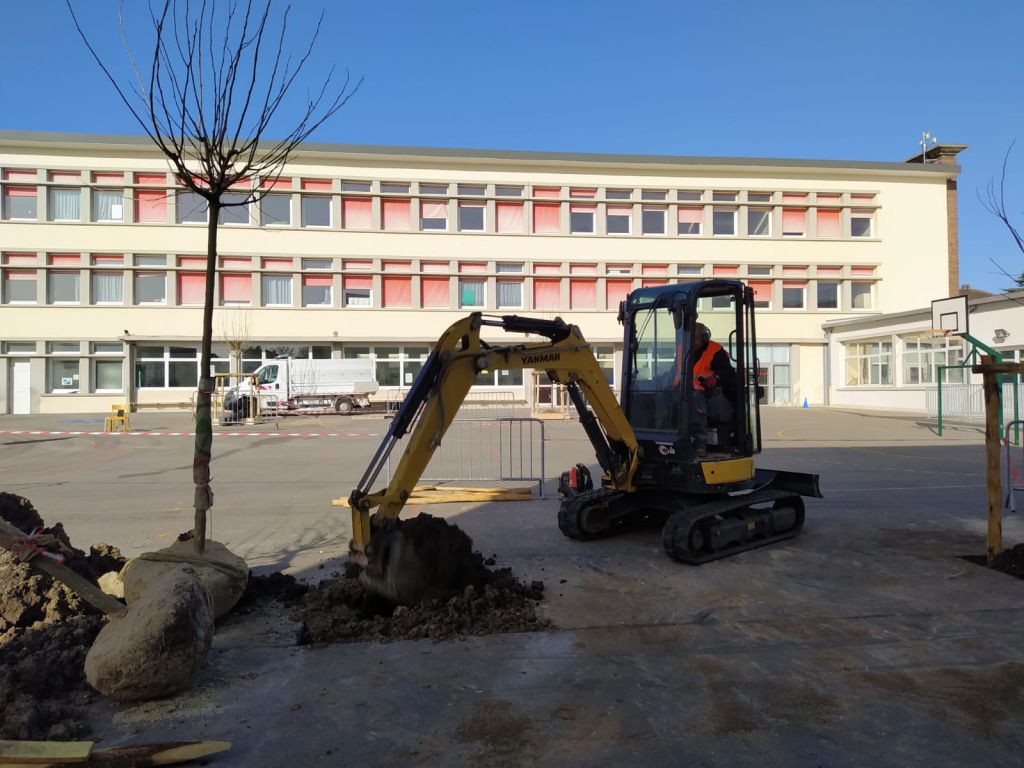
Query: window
{"x": 394, "y": 187}
{"x": 108, "y": 205}
{"x": 689, "y": 195}
{"x": 618, "y": 194}
{"x": 653, "y": 194}
{"x": 762, "y": 293}
{"x": 20, "y": 203}
{"x": 582, "y": 194}
{"x": 505, "y": 268}
{"x": 869, "y": 363}
{"x": 617, "y": 219}
{"x": 20, "y": 347}
{"x": 107, "y": 375}
{"x": 503, "y": 191}
{"x": 191, "y": 208}
{"x": 510, "y": 218}
{"x": 758, "y": 270}
{"x": 615, "y": 291}
{"x": 183, "y": 367}
{"x": 357, "y": 291}
{"x": 581, "y": 218}
{"x": 723, "y": 221}
{"x": 150, "y": 288}
{"x": 759, "y": 222}
{"x": 828, "y": 222}
{"x": 471, "y": 189}
{"x": 276, "y": 210}
{"x": 860, "y": 223}
{"x": 471, "y": 216}
{"x": 794, "y": 222}
{"x": 510, "y": 294}
{"x": 317, "y": 263}
{"x": 689, "y": 220}
{"x": 235, "y": 210}
{"x": 689, "y": 270}
{"x": 396, "y": 215}
{"x": 357, "y": 213}
{"x": 316, "y": 290}
{"x": 107, "y": 288}
{"x": 723, "y": 197}
{"x": 434, "y": 292}
{"x": 471, "y": 292}
{"x": 828, "y": 295}
{"x": 759, "y": 197}
{"x": 618, "y": 269}
{"x": 653, "y": 220}
{"x": 108, "y": 348}
{"x": 397, "y": 290}
{"x": 547, "y": 294}
{"x": 433, "y": 189}
{"x": 19, "y": 286}
{"x": 235, "y": 289}
{"x": 276, "y": 290}
{"x": 64, "y": 375}
{"x": 923, "y": 355}
{"x": 433, "y": 214}
{"x": 150, "y": 204}
{"x": 316, "y": 210}
{"x": 355, "y": 186}
{"x": 793, "y": 295}
{"x": 860, "y": 295}
{"x": 547, "y": 218}
{"x": 583, "y": 294}
{"x": 64, "y": 287}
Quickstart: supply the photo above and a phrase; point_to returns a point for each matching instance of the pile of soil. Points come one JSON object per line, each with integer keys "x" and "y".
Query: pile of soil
{"x": 45, "y": 632}
{"x": 344, "y": 611}
{"x": 1010, "y": 561}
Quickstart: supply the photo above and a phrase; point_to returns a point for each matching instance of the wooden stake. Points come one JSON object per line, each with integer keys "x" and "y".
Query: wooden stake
{"x": 993, "y": 440}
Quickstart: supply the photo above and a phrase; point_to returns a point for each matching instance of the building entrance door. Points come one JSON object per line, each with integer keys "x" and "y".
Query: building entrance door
{"x": 21, "y": 386}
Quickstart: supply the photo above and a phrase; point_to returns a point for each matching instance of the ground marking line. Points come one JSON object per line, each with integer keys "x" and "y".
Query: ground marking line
{"x": 59, "y": 433}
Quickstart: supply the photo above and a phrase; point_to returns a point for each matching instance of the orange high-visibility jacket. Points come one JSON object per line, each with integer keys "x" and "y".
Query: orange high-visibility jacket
{"x": 703, "y": 365}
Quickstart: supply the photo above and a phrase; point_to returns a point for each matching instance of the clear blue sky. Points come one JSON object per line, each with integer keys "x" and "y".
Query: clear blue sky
{"x": 790, "y": 78}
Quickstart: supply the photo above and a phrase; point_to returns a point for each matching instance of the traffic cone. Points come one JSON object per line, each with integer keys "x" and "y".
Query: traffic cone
{"x": 805, "y": 403}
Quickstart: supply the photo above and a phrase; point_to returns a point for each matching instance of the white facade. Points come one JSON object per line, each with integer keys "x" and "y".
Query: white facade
{"x": 374, "y": 251}
{"x": 891, "y": 361}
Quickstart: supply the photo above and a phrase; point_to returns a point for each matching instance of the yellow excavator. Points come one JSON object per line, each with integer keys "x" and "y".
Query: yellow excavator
{"x": 707, "y": 494}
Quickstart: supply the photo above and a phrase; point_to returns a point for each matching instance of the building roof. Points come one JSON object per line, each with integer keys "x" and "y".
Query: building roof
{"x": 1011, "y": 297}
{"x": 38, "y": 141}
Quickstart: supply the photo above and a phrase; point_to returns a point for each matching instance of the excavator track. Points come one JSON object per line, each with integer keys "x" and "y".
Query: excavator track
{"x": 731, "y": 525}
{"x": 604, "y": 512}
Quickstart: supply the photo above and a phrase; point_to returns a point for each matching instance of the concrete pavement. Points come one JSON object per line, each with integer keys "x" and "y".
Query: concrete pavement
{"x": 865, "y": 641}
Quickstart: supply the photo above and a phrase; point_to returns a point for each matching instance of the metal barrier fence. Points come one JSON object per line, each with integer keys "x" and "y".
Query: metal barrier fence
{"x": 1013, "y": 469}
{"x": 967, "y": 401}
{"x": 506, "y": 402}
{"x": 504, "y": 449}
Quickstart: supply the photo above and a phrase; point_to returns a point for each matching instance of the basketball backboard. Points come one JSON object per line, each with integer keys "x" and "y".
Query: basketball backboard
{"x": 950, "y": 315}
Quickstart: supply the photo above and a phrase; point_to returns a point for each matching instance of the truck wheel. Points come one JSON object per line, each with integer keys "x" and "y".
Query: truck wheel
{"x": 343, "y": 405}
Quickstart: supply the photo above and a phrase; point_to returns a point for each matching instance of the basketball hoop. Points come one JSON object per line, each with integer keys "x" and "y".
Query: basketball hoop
{"x": 936, "y": 333}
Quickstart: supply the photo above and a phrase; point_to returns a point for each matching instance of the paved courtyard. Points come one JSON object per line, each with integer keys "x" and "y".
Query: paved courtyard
{"x": 865, "y": 641}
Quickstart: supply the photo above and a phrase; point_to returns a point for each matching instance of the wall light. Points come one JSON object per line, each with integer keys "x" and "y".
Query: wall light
{"x": 1001, "y": 334}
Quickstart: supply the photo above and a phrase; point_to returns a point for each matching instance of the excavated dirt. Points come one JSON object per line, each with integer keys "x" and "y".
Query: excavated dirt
{"x": 468, "y": 597}
{"x": 45, "y": 632}
{"x": 1009, "y": 561}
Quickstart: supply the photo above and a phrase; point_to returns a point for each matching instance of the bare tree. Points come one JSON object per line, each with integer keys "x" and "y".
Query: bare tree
{"x": 236, "y": 333}
{"x": 207, "y": 96}
{"x": 994, "y": 202}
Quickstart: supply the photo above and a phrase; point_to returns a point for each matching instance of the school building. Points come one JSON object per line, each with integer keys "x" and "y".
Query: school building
{"x": 366, "y": 251}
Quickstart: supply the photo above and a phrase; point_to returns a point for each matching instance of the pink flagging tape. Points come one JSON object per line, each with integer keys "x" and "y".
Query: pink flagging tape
{"x": 54, "y": 433}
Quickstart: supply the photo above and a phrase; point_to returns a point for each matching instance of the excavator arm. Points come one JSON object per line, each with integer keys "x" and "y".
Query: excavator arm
{"x": 443, "y": 383}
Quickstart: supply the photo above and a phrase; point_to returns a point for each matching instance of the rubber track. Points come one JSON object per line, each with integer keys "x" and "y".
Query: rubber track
{"x": 570, "y": 510}
{"x": 675, "y": 536}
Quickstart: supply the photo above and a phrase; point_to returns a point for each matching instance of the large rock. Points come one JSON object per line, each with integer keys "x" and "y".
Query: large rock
{"x": 160, "y": 642}
{"x": 224, "y": 573}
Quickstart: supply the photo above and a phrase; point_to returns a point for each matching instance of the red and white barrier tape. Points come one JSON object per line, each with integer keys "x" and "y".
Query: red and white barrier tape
{"x": 52, "y": 433}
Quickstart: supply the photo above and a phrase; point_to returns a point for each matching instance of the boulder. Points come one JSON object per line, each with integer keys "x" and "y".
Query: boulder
{"x": 224, "y": 573}
{"x": 157, "y": 646}
{"x": 111, "y": 583}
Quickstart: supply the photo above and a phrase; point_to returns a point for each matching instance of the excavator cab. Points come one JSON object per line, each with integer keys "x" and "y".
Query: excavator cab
{"x": 689, "y": 376}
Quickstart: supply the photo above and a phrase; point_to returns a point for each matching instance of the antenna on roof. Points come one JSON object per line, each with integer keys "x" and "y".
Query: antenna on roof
{"x": 927, "y": 140}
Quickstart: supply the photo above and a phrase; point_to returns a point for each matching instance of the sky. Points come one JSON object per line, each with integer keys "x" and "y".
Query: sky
{"x": 813, "y": 79}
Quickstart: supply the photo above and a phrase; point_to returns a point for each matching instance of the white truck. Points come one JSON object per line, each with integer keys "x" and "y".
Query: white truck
{"x": 288, "y": 384}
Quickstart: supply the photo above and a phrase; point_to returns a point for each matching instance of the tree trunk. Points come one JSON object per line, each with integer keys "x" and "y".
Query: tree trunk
{"x": 204, "y": 421}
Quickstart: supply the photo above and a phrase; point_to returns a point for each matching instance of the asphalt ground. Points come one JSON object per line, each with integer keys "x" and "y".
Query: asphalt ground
{"x": 867, "y": 640}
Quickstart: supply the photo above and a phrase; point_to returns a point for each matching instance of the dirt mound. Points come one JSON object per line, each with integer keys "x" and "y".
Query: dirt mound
{"x": 45, "y": 632}
{"x": 274, "y": 586}
{"x": 1010, "y": 561}
{"x": 344, "y": 611}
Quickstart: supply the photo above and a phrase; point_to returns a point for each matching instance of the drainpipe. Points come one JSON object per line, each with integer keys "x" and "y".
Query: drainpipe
{"x": 828, "y": 367}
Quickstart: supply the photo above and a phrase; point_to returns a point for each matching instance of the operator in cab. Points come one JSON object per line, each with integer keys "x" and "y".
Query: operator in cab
{"x": 714, "y": 388}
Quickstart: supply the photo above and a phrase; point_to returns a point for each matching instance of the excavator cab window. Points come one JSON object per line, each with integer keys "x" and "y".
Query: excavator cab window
{"x": 653, "y": 404}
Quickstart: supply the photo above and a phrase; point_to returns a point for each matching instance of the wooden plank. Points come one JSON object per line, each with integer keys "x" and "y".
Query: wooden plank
{"x": 44, "y": 752}
{"x": 96, "y": 597}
